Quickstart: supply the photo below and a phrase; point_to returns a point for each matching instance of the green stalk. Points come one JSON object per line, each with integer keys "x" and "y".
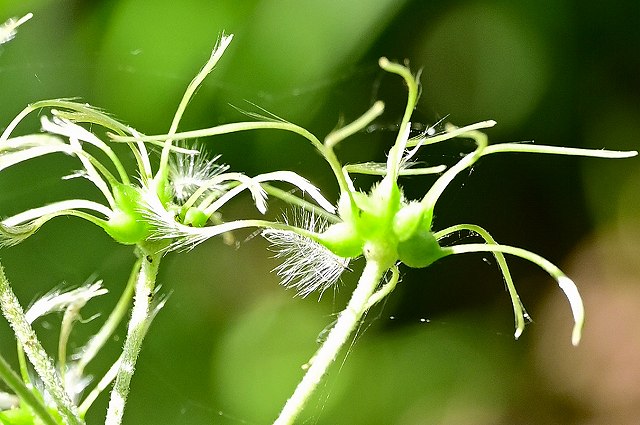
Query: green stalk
{"x": 566, "y": 285}
{"x": 102, "y": 385}
{"x": 100, "y": 339}
{"x": 352, "y": 128}
{"x": 557, "y": 150}
{"x": 138, "y": 325}
{"x": 429, "y": 200}
{"x": 345, "y": 325}
{"x": 292, "y": 199}
{"x": 218, "y": 50}
{"x": 89, "y": 114}
{"x": 12, "y": 311}
{"x": 397, "y": 150}
{"x": 248, "y": 126}
{"x": 519, "y": 312}
{"x": 26, "y": 396}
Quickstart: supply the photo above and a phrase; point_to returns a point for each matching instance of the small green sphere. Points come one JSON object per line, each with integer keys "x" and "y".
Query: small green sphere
{"x": 195, "y": 217}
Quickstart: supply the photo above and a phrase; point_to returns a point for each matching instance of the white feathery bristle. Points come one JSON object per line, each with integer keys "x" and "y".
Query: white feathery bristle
{"x": 307, "y": 266}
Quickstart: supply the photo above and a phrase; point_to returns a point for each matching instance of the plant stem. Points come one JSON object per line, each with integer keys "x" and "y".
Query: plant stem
{"x": 345, "y": 325}
{"x": 100, "y": 339}
{"x": 138, "y": 325}
{"x": 26, "y": 396}
{"x": 566, "y": 285}
{"x": 103, "y": 384}
{"x": 26, "y": 336}
{"x": 519, "y": 312}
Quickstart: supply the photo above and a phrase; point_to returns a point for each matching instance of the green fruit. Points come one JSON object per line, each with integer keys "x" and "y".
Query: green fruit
{"x": 419, "y": 250}
{"x": 195, "y": 217}
{"x": 127, "y": 225}
{"x": 342, "y": 239}
{"x": 407, "y": 220}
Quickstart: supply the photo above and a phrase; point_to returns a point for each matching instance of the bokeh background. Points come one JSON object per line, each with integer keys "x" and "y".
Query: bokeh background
{"x": 228, "y": 346}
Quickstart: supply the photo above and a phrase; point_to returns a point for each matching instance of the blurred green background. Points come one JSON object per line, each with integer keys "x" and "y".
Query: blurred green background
{"x": 228, "y": 346}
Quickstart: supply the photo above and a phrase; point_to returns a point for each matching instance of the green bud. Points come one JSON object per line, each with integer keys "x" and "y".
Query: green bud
{"x": 342, "y": 239}
{"x": 407, "y": 220}
{"x": 195, "y": 217}
{"x": 127, "y": 225}
{"x": 420, "y": 249}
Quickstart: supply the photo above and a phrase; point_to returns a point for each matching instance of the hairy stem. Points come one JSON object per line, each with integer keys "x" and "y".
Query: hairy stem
{"x": 14, "y": 382}
{"x": 12, "y": 311}
{"x": 141, "y": 315}
{"x": 345, "y": 325}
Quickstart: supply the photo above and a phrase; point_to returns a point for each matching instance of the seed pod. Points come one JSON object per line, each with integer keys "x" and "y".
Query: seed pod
{"x": 419, "y": 250}
{"x": 127, "y": 225}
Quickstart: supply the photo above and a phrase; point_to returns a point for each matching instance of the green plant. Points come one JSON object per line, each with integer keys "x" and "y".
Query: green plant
{"x": 381, "y": 226}
{"x": 187, "y": 188}
{"x": 177, "y": 206}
